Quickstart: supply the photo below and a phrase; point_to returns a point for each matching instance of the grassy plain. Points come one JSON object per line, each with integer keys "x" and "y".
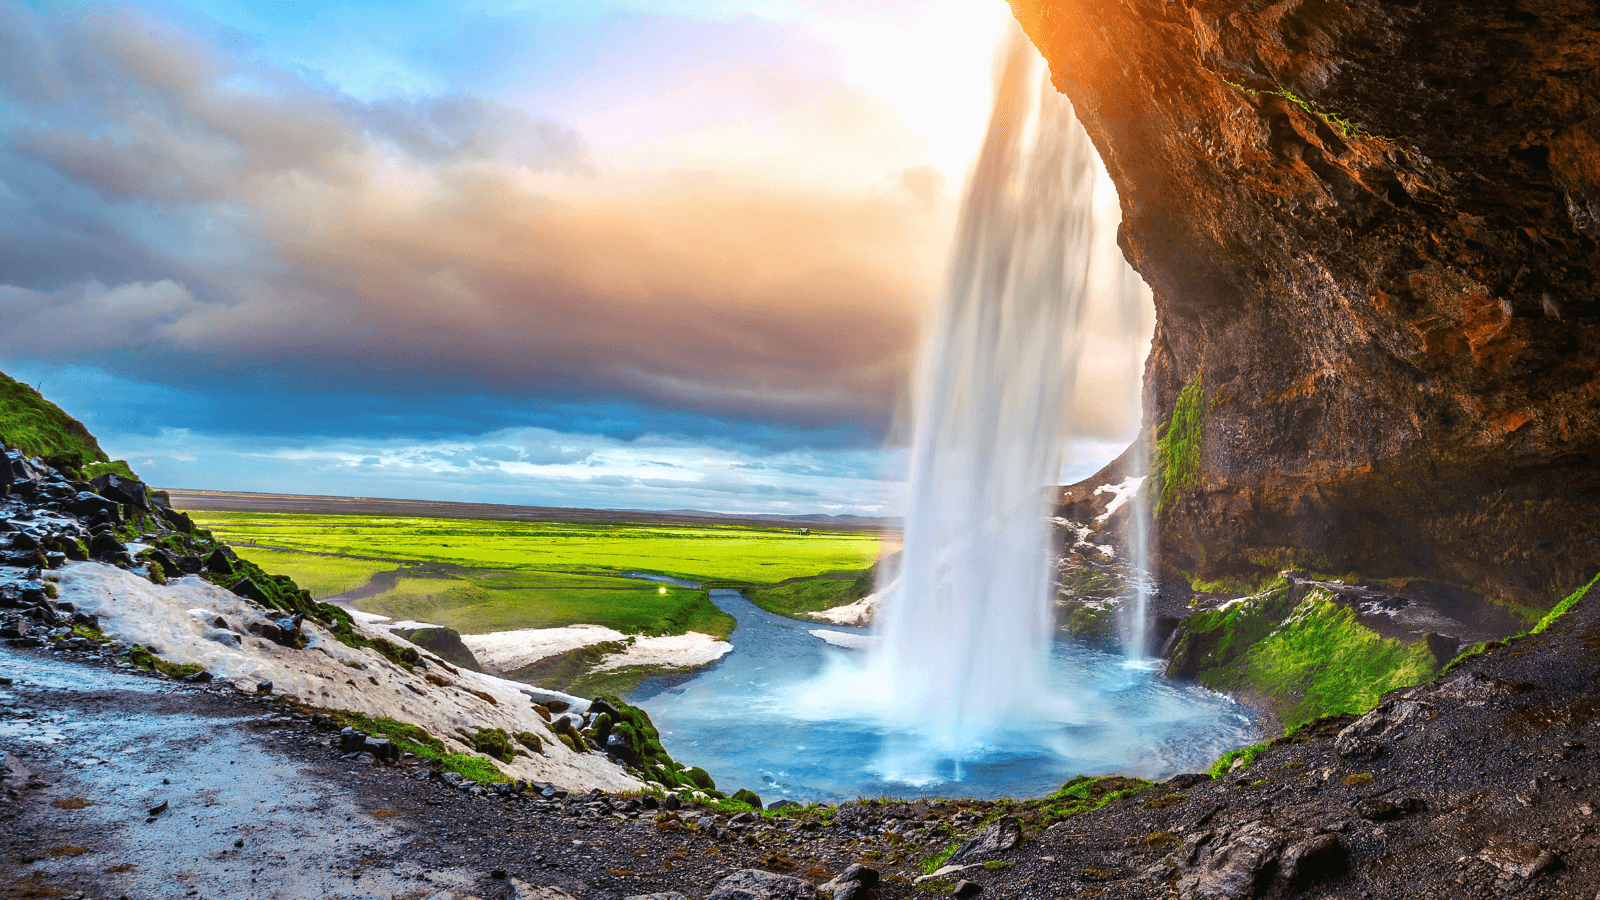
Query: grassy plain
{"x": 483, "y": 575}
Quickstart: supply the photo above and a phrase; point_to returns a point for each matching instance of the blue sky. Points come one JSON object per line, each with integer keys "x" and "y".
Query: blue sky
{"x": 610, "y": 254}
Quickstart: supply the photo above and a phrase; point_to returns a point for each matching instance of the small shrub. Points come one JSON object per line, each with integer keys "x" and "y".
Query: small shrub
{"x": 1359, "y": 779}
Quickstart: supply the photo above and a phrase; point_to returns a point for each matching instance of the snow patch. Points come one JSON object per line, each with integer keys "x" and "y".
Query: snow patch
{"x": 845, "y": 639}
{"x": 509, "y": 651}
{"x": 177, "y": 617}
{"x": 1120, "y": 494}
{"x": 857, "y": 613}
{"x": 676, "y": 651}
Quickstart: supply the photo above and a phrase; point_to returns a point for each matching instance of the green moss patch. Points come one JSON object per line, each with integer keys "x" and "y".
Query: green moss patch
{"x": 1321, "y": 661}
{"x": 1177, "y": 462}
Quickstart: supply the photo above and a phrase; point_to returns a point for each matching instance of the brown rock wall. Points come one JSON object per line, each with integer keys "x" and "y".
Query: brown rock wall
{"x": 1371, "y": 231}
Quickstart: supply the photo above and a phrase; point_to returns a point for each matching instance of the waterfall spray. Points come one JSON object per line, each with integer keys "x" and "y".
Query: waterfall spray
{"x": 1135, "y": 613}
{"x": 967, "y": 627}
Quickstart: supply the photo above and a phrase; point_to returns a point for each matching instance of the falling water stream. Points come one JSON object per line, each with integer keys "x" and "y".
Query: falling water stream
{"x": 963, "y": 687}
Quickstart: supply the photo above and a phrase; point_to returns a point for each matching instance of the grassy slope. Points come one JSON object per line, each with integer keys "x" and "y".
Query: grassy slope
{"x": 796, "y": 598}
{"x": 37, "y": 427}
{"x": 323, "y": 576}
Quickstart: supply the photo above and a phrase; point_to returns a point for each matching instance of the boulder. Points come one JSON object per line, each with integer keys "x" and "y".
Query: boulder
{"x": 251, "y": 591}
{"x": 1230, "y": 864}
{"x": 444, "y": 643}
{"x": 998, "y": 837}
{"x": 755, "y": 884}
{"x": 966, "y": 889}
{"x": 220, "y": 561}
{"x": 851, "y": 884}
{"x": 224, "y": 637}
{"x": 104, "y": 545}
{"x": 85, "y": 504}
{"x": 123, "y": 490}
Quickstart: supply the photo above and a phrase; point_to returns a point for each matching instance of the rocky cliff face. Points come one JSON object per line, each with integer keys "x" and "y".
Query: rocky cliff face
{"x": 1371, "y": 229}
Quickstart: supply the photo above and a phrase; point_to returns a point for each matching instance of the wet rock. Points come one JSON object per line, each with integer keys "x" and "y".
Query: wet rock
{"x": 1000, "y": 836}
{"x": 200, "y": 677}
{"x": 104, "y": 546}
{"x": 159, "y": 808}
{"x": 755, "y": 884}
{"x": 225, "y": 638}
{"x": 14, "y": 629}
{"x": 123, "y": 490}
{"x": 1520, "y": 859}
{"x": 264, "y": 687}
{"x": 86, "y": 504}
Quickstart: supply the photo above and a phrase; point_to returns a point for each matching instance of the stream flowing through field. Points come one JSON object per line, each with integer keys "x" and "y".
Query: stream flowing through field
{"x": 794, "y": 717}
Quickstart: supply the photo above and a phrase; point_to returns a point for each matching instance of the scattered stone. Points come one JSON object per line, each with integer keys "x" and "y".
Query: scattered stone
{"x": 661, "y": 895}
{"x": 1379, "y": 809}
{"x": 158, "y": 809}
{"x": 521, "y": 890}
{"x": 965, "y": 889}
{"x": 756, "y": 884}
{"x": 264, "y": 687}
{"x": 1520, "y": 859}
{"x": 1000, "y": 836}
{"x": 225, "y": 638}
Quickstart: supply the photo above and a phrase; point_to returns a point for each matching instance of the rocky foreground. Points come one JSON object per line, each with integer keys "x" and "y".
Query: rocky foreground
{"x": 122, "y": 783}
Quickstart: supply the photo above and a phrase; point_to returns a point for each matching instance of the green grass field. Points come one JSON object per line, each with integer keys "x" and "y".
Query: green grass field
{"x": 479, "y": 576}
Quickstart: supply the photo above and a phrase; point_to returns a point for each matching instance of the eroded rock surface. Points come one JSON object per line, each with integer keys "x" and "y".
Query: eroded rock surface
{"x": 1371, "y": 231}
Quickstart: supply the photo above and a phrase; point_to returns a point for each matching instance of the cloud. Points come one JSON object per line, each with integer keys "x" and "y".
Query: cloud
{"x": 411, "y": 242}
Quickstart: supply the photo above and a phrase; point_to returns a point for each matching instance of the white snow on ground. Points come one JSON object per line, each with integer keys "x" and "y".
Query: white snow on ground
{"x": 677, "y": 651}
{"x": 508, "y": 651}
{"x": 174, "y": 621}
{"x": 844, "y": 639}
{"x": 857, "y": 613}
{"x": 1121, "y": 493}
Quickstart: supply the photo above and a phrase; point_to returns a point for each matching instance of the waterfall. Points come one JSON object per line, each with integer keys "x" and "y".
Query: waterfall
{"x": 967, "y": 627}
{"x": 1134, "y": 615}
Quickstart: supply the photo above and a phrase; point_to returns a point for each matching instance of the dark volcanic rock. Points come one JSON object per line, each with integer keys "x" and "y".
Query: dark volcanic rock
{"x": 1371, "y": 230}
